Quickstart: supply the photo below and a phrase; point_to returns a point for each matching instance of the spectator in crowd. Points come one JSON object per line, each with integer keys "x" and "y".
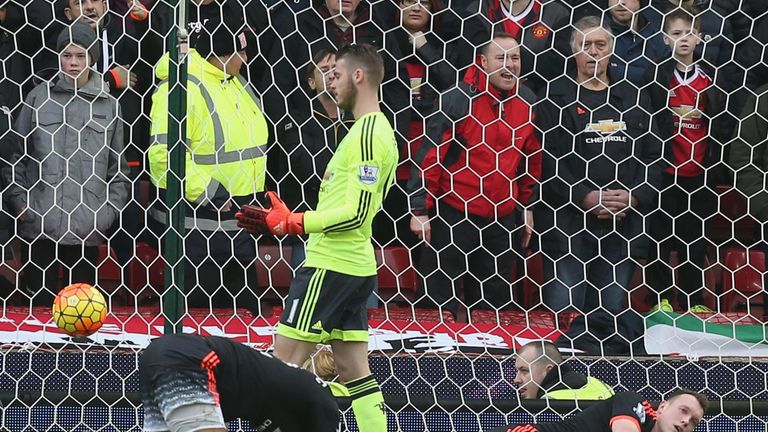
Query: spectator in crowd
{"x": 479, "y": 164}
{"x": 70, "y": 171}
{"x": 23, "y": 29}
{"x": 716, "y": 50}
{"x": 227, "y": 139}
{"x": 120, "y": 48}
{"x": 129, "y": 49}
{"x": 307, "y": 153}
{"x": 687, "y": 108}
{"x": 541, "y": 374}
{"x": 540, "y": 26}
{"x": 427, "y": 74}
{"x": 749, "y": 160}
{"x": 330, "y": 24}
{"x": 601, "y": 172}
{"x": 716, "y": 47}
{"x": 638, "y": 41}
{"x": 28, "y": 33}
{"x": 629, "y": 412}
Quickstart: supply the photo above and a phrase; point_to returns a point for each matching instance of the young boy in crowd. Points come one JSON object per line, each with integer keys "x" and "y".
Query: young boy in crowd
{"x": 70, "y": 174}
{"x": 684, "y": 102}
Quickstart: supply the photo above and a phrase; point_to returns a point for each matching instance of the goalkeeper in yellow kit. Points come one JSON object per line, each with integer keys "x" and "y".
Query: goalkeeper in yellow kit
{"x": 327, "y": 299}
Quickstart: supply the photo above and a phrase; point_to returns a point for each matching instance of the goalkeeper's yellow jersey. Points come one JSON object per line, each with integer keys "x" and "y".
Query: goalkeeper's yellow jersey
{"x": 354, "y": 185}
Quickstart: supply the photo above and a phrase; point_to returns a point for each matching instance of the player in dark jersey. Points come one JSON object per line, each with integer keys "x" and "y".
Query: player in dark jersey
{"x": 197, "y": 383}
{"x": 629, "y": 412}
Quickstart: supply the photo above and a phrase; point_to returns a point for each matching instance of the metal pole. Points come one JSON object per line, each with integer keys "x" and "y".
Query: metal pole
{"x": 176, "y": 41}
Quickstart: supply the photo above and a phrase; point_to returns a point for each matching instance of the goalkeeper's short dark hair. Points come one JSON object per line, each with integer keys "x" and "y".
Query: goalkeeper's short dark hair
{"x": 366, "y": 57}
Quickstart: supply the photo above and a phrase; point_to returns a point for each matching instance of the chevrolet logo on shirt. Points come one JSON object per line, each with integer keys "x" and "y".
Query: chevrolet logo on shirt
{"x": 686, "y": 112}
{"x": 606, "y": 127}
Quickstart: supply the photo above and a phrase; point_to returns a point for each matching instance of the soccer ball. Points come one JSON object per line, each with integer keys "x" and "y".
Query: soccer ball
{"x": 79, "y": 310}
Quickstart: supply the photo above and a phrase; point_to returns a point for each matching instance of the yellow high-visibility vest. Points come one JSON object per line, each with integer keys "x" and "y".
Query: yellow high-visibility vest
{"x": 226, "y": 133}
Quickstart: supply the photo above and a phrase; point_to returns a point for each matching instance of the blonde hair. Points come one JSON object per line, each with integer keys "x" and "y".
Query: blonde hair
{"x": 321, "y": 364}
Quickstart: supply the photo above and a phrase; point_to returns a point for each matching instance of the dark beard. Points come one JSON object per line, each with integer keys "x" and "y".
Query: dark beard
{"x": 348, "y": 104}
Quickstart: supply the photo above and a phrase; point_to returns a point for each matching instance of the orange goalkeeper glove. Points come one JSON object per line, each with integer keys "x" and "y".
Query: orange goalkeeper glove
{"x": 280, "y": 220}
{"x": 277, "y": 220}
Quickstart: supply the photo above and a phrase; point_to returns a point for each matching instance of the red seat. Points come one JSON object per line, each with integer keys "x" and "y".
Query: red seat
{"x": 397, "y": 277}
{"x": 108, "y": 267}
{"x": 732, "y": 222}
{"x": 539, "y": 319}
{"x": 146, "y": 273}
{"x": 742, "y": 277}
{"x": 273, "y": 268}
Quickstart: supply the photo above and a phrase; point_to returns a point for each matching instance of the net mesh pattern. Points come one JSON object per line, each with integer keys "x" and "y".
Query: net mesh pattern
{"x": 566, "y": 169}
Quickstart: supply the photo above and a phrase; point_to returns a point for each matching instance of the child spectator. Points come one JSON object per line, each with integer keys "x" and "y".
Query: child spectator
{"x": 129, "y": 50}
{"x": 685, "y": 103}
{"x": 70, "y": 171}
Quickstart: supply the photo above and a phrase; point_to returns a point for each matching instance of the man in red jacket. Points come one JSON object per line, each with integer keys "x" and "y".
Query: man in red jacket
{"x": 479, "y": 164}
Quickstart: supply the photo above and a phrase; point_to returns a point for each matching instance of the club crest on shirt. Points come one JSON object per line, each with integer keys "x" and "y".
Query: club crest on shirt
{"x": 540, "y": 31}
{"x": 640, "y": 412}
{"x": 369, "y": 174}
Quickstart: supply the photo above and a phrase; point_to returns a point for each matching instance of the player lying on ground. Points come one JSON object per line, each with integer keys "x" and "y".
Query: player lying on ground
{"x": 197, "y": 383}
{"x": 629, "y": 412}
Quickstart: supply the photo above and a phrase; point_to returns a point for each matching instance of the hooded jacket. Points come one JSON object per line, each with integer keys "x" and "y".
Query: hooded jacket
{"x": 481, "y": 154}
{"x": 614, "y": 147}
{"x": 70, "y": 180}
{"x": 227, "y": 138}
{"x": 562, "y": 382}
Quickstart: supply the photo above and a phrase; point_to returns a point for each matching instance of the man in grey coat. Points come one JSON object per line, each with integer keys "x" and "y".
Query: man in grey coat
{"x": 69, "y": 170}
